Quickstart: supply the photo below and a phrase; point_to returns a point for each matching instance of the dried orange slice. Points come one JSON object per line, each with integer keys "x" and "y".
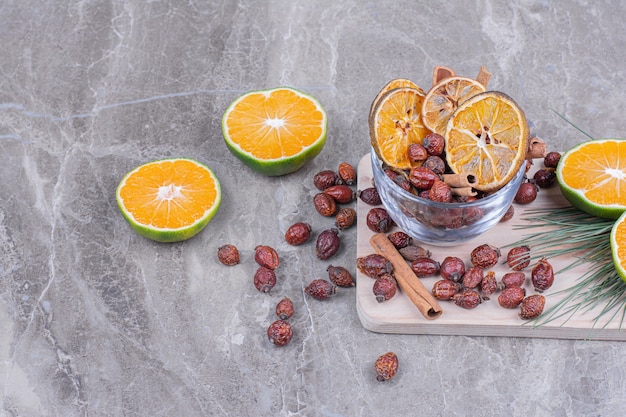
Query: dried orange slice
{"x": 393, "y": 84}
{"x": 592, "y": 176}
{"x": 487, "y": 137}
{"x": 395, "y": 124}
{"x": 443, "y": 99}
{"x": 169, "y": 200}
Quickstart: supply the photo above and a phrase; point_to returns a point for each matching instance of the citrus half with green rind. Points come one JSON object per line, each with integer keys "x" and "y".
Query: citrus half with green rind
{"x": 592, "y": 177}
{"x": 618, "y": 245}
{"x": 275, "y": 131}
{"x": 169, "y": 200}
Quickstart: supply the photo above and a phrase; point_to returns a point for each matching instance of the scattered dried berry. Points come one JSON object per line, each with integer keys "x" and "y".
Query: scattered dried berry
{"x": 444, "y": 289}
{"x": 228, "y": 255}
{"x": 452, "y": 268}
{"x": 467, "y": 299}
{"x": 340, "y": 276}
{"x": 545, "y": 177}
{"x": 325, "y": 204}
{"x": 488, "y": 285}
{"x": 526, "y": 193}
{"x": 485, "y": 256}
{"x": 374, "y": 265}
{"x": 422, "y": 177}
{"x": 542, "y": 275}
{"x": 399, "y": 239}
{"x": 434, "y": 144}
{"x": 424, "y": 267}
{"x": 328, "y": 243}
{"x": 513, "y": 279}
{"x": 551, "y": 160}
{"x": 511, "y": 297}
{"x": 324, "y": 179}
{"x": 321, "y": 289}
{"x": 385, "y": 287}
{"x": 378, "y": 220}
{"x": 370, "y": 196}
{"x": 412, "y": 252}
{"x": 386, "y": 366}
{"x": 518, "y": 257}
{"x": 266, "y": 256}
{"x": 341, "y": 193}
{"x": 284, "y": 308}
{"x": 298, "y": 233}
{"x": 417, "y": 153}
{"x": 532, "y": 306}
{"x": 264, "y": 279}
{"x": 345, "y": 218}
{"x": 347, "y": 173}
{"x": 280, "y": 332}
{"x": 473, "y": 277}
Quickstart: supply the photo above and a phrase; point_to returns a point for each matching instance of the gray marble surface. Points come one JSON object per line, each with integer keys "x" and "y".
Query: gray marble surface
{"x": 98, "y": 321}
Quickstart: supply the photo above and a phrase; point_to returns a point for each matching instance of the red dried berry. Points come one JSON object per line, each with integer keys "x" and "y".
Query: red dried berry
{"x": 422, "y": 177}
{"x": 385, "y": 287}
{"x": 374, "y": 265}
{"x": 444, "y": 289}
{"x": 452, "y": 268}
{"x": 341, "y": 193}
{"x": 508, "y": 215}
{"x": 264, "y": 279}
{"x": 370, "y": 196}
{"x": 347, "y": 173}
{"x": 545, "y": 177}
{"x": 328, "y": 243}
{"x": 280, "y": 332}
{"x": 320, "y": 289}
{"x": 284, "y": 308}
{"x": 551, "y": 160}
{"x": 400, "y": 179}
{"x": 345, "y": 218}
{"x": 434, "y": 143}
{"x": 467, "y": 299}
{"x": 266, "y": 256}
{"x": 340, "y": 276}
{"x": 485, "y": 256}
{"x": 424, "y": 267}
{"x": 412, "y": 252}
{"x": 399, "y": 239}
{"x": 228, "y": 255}
{"x": 513, "y": 279}
{"x": 436, "y": 164}
{"x": 526, "y": 193}
{"x": 488, "y": 285}
{"x": 386, "y": 366}
{"x": 325, "y": 204}
{"x": 518, "y": 257}
{"x": 511, "y": 297}
{"x": 473, "y": 277}
{"x": 532, "y": 306}
{"x": 324, "y": 179}
{"x": 542, "y": 275}
{"x": 378, "y": 220}
{"x": 417, "y": 153}
{"x": 298, "y": 233}
{"x": 440, "y": 192}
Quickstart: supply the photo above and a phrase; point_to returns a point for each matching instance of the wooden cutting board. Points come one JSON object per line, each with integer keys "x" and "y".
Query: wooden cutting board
{"x": 399, "y": 315}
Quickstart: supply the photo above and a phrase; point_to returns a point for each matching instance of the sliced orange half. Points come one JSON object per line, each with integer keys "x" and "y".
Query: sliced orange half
{"x": 443, "y": 99}
{"x": 487, "y": 137}
{"x": 275, "y": 131}
{"x": 393, "y": 84}
{"x": 169, "y": 200}
{"x": 592, "y": 176}
{"x": 395, "y": 124}
{"x": 618, "y": 246}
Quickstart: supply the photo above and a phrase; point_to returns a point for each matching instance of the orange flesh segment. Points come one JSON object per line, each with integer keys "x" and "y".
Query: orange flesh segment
{"x": 276, "y": 124}
{"x": 620, "y": 240}
{"x": 169, "y": 195}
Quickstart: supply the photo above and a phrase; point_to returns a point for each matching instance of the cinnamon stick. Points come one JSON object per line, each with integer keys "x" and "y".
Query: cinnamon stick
{"x": 441, "y": 72}
{"x": 464, "y": 191}
{"x": 409, "y": 283}
{"x": 483, "y": 76}
{"x": 459, "y": 180}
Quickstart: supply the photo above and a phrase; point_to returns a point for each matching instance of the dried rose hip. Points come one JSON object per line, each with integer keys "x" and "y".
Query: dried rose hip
{"x": 452, "y": 268}
{"x": 551, "y": 160}
{"x": 284, "y": 308}
{"x": 513, "y": 279}
{"x": 444, "y": 289}
{"x": 508, "y": 215}
{"x": 340, "y": 276}
{"x": 328, "y": 243}
{"x": 378, "y": 220}
{"x": 400, "y": 239}
{"x": 511, "y": 297}
{"x": 324, "y": 179}
{"x": 325, "y": 204}
{"x": 545, "y": 177}
{"x": 345, "y": 218}
{"x": 526, "y": 193}
{"x": 228, "y": 255}
{"x": 485, "y": 256}
{"x": 424, "y": 267}
{"x": 266, "y": 256}
{"x": 400, "y": 179}
{"x": 473, "y": 277}
{"x": 436, "y": 164}
{"x": 298, "y": 233}
{"x": 488, "y": 285}
{"x": 532, "y": 306}
{"x": 412, "y": 252}
{"x": 467, "y": 299}
{"x": 386, "y": 366}
{"x": 370, "y": 196}
{"x": 422, "y": 177}
{"x": 542, "y": 275}
{"x": 518, "y": 257}
{"x": 374, "y": 265}
{"x": 280, "y": 332}
{"x": 321, "y": 289}
{"x": 264, "y": 279}
{"x": 440, "y": 192}
{"x": 434, "y": 144}
{"x": 385, "y": 287}
{"x": 347, "y": 173}
{"x": 341, "y": 193}
{"x": 417, "y": 153}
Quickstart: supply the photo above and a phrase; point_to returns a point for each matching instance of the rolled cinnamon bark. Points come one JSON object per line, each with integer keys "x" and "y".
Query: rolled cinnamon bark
{"x": 483, "y": 76}
{"x": 441, "y": 72}
{"x": 459, "y": 180}
{"x": 464, "y": 191}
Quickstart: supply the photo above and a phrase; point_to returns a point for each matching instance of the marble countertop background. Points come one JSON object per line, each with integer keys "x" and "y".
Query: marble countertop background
{"x": 98, "y": 321}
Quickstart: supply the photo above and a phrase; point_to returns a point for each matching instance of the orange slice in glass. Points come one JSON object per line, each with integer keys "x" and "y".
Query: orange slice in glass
{"x": 487, "y": 137}
{"x": 393, "y": 84}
